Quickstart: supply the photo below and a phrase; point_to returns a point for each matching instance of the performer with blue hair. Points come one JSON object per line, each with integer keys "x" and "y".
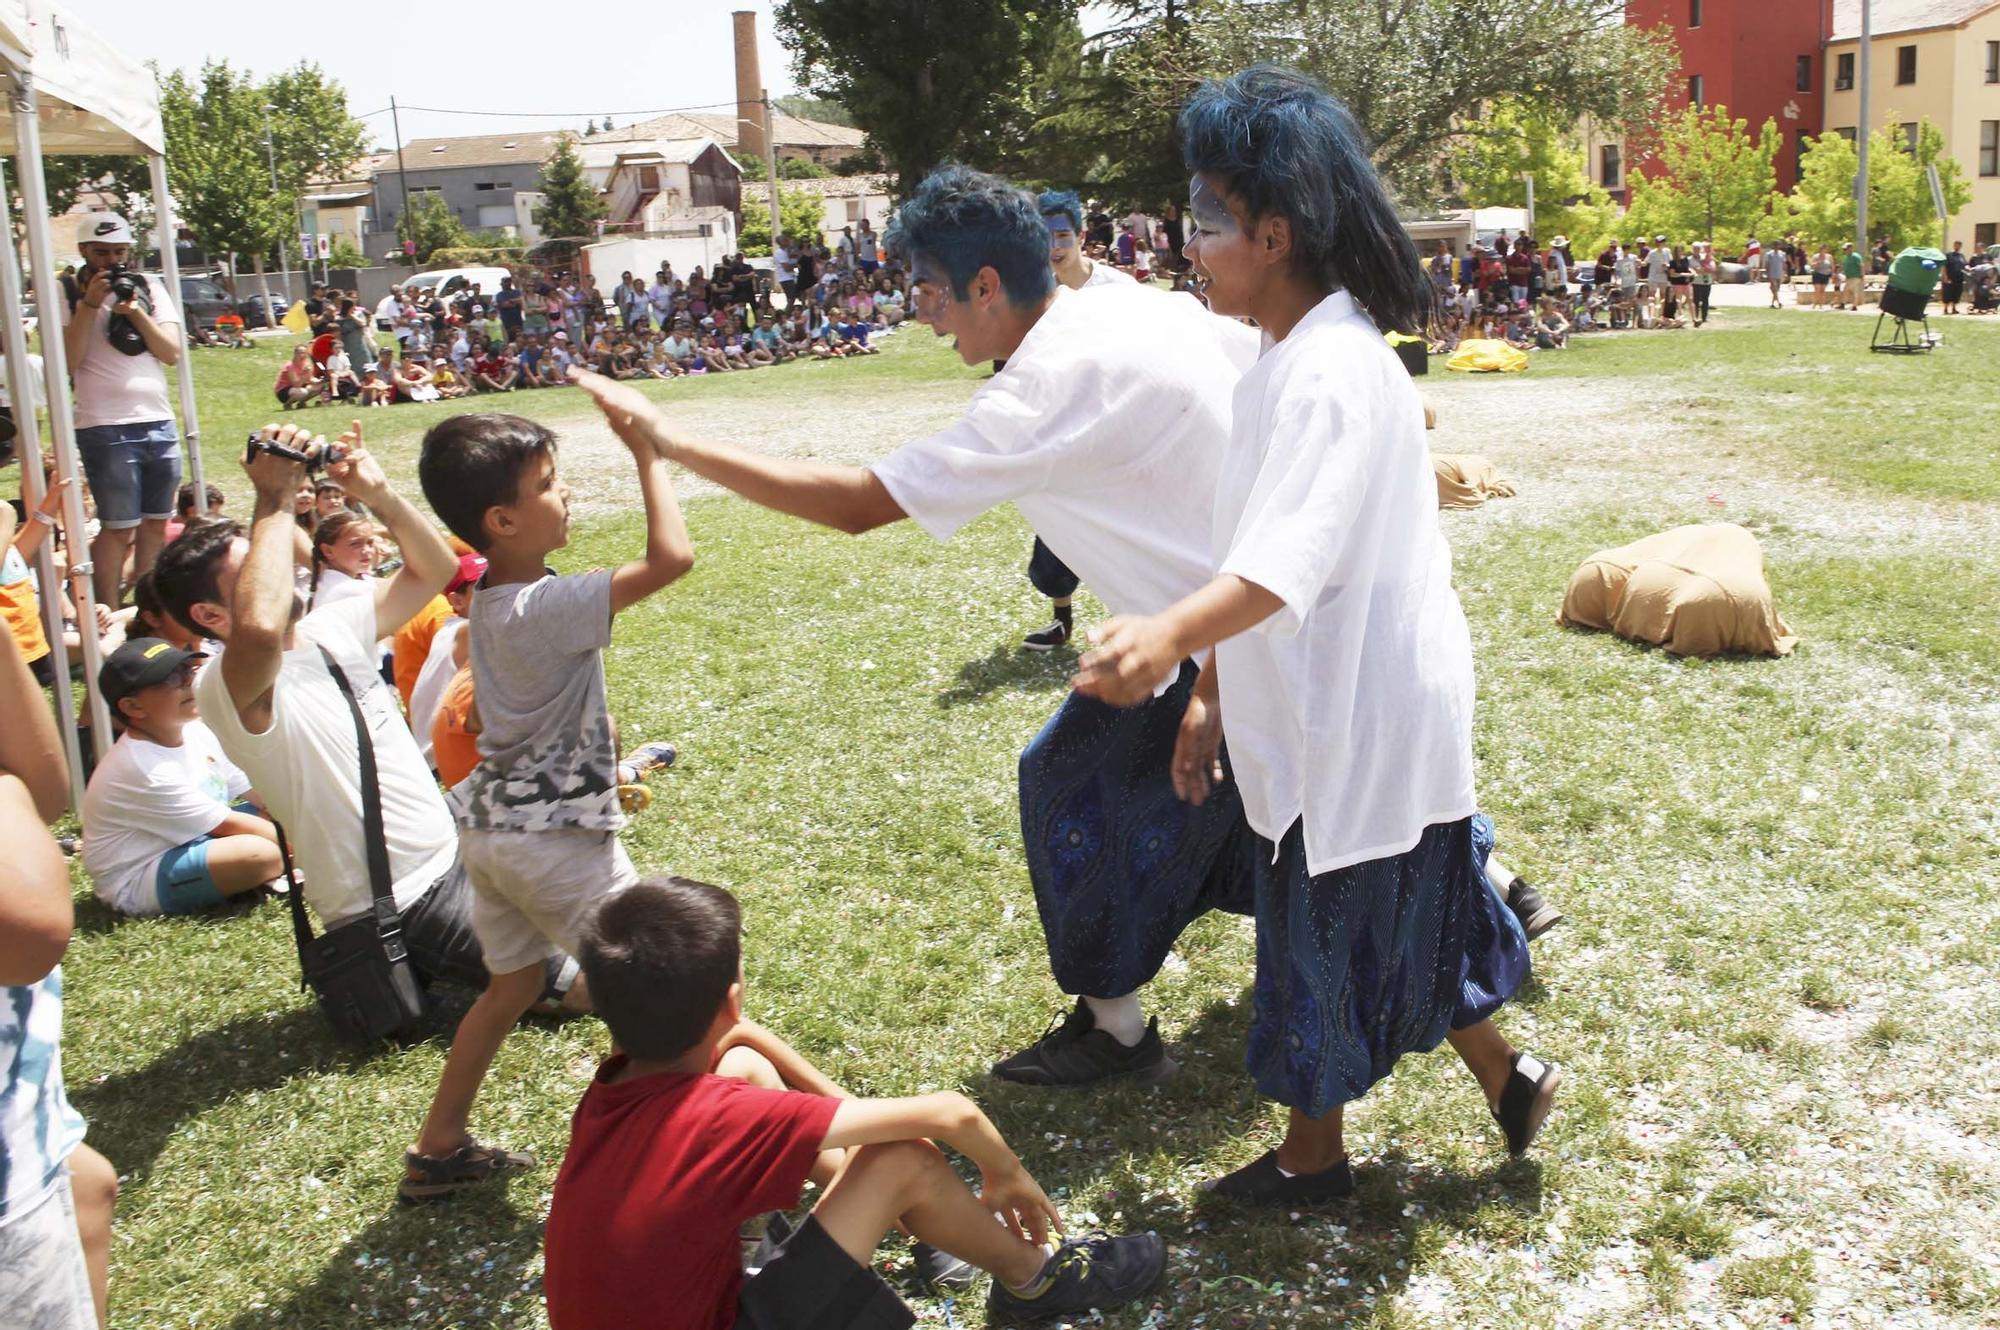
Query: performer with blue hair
{"x": 1340, "y": 664}
{"x": 1062, "y": 214}
{"x": 1105, "y": 430}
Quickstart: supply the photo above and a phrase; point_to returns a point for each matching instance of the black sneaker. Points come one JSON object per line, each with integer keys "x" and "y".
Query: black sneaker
{"x": 1537, "y": 916}
{"x": 1075, "y": 1052}
{"x": 939, "y": 1271}
{"x": 1047, "y": 639}
{"x": 1085, "y": 1274}
{"x": 1525, "y": 1102}
{"x": 1261, "y": 1183}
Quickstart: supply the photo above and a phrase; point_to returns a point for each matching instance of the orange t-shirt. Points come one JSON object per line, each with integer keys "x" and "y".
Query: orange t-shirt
{"x": 455, "y": 749}
{"x": 412, "y": 645}
{"x": 22, "y": 608}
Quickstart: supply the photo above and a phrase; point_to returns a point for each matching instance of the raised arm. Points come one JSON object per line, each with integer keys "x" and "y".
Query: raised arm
{"x": 669, "y": 552}
{"x": 260, "y": 608}
{"x": 36, "y": 915}
{"x": 846, "y": 498}
{"x": 428, "y": 563}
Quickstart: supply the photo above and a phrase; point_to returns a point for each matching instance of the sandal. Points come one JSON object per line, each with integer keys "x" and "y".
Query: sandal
{"x": 437, "y": 1178}
{"x": 1525, "y": 1102}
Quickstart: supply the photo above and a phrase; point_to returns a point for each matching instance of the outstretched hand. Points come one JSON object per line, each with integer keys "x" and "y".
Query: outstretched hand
{"x": 358, "y": 472}
{"x": 632, "y": 417}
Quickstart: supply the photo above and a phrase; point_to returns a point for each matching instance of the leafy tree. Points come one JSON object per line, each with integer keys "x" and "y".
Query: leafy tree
{"x": 1899, "y": 191}
{"x": 430, "y": 225}
{"x": 1820, "y": 207}
{"x": 570, "y": 204}
{"x": 816, "y": 108}
{"x": 1515, "y": 139}
{"x": 789, "y": 168}
{"x": 800, "y": 212}
{"x": 1409, "y": 71}
{"x": 1709, "y": 179}
{"x": 217, "y": 168}
{"x": 346, "y": 254}
{"x": 928, "y": 81}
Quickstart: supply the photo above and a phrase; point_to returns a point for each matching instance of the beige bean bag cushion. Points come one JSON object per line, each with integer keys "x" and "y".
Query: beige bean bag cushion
{"x": 1695, "y": 590}
{"x": 1468, "y": 480}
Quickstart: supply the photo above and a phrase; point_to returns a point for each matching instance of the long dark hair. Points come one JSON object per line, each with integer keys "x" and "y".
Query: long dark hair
{"x": 1285, "y": 146}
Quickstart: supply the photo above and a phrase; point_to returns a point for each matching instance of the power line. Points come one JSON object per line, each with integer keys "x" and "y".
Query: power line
{"x": 553, "y": 115}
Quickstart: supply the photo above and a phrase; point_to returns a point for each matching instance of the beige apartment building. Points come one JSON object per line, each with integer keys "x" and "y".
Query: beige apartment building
{"x": 1930, "y": 58}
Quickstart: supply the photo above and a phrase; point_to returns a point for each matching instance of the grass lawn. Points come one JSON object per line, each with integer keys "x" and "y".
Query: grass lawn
{"x": 1775, "y": 991}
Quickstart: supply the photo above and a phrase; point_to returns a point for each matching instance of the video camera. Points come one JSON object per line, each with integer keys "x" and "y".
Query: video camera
{"x": 125, "y": 283}
{"x": 314, "y": 461}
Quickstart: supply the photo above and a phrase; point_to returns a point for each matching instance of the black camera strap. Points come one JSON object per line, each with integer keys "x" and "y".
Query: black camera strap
{"x": 388, "y": 919}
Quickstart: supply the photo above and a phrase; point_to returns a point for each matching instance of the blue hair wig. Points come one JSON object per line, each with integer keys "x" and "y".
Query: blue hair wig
{"x": 964, "y": 220}
{"x": 1284, "y": 146}
{"x": 1063, "y": 203}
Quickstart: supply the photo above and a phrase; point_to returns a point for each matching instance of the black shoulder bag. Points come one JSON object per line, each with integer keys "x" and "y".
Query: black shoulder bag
{"x": 360, "y": 971}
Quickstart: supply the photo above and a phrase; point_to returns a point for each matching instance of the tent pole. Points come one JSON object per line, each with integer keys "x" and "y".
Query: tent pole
{"x": 28, "y": 448}
{"x": 170, "y": 273}
{"x": 49, "y": 297}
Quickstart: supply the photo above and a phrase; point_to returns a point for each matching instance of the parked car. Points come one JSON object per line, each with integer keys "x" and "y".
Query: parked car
{"x": 255, "y": 317}
{"x": 446, "y": 281}
{"x": 202, "y": 298}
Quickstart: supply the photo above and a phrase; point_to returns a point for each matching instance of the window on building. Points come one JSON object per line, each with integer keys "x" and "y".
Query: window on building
{"x": 494, "y": 184}
{"x": 1909, "y": 128}
{"x": 1984, "y": 234}
{"x": 1609, "y": 166}
{"x": 1993, "y": 62}
{"x": 1843, "y": 72}
{"x": 1804, "y": 79}
{"x": 1846, "y": 132}
{"x": 1989, "y": 147}
{"x": 1694, "y": 13}
{"x": 1906, "y": 64}
{"x": 1694, "y": 90}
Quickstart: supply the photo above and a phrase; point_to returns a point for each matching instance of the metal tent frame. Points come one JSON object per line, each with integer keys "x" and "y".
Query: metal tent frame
{"x": 68, "y": 92}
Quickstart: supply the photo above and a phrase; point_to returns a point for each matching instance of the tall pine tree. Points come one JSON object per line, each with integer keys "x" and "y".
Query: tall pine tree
{"x": 569, "y": 201}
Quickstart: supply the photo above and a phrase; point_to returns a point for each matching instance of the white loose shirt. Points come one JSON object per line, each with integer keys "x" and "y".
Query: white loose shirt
{"x": 435, "y": 676}
{"x": 1103, "y": 274}
{"x": 306, "y": 767}
{"x": 110, "y": 387}
{"x": 145, "y": 799}
{"x": 1105, "y": 430}
{"x": 1351, "y": 707}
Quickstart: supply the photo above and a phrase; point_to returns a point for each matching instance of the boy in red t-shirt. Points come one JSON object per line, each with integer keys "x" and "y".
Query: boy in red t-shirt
{"x": 667, "y": 1159}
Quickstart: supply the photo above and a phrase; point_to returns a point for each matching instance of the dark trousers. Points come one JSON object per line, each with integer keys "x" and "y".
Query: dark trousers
{"x": 1050, "y": 575}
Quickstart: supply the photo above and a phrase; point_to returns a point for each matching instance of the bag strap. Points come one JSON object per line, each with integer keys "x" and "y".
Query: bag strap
{"x": 302, "y": 933}
{"x": 371, "y": 806}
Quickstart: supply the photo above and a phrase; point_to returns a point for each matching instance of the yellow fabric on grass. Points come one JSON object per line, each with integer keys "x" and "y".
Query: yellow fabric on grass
{"x": 1483, "y": 355}
{"x": 1694, "y": 590}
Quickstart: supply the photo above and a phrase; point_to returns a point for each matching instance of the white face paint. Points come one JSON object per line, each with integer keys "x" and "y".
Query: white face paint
{"x": 1206, "y": 210}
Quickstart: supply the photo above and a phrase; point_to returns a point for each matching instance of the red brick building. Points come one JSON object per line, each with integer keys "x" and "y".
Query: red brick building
{"x": 1760, "y": 58}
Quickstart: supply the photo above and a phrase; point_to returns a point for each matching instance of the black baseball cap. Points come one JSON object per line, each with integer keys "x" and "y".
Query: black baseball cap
{"x": 140, "y": 663}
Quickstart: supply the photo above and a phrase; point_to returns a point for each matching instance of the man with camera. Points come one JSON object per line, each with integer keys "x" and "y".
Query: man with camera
{"x": 278, "y": 700}
{"x": 121, "y": 329}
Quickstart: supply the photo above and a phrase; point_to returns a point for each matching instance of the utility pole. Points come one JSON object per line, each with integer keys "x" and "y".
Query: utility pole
{"x": 402, "y": 173}
{"x": 284, "y": 262}
{"x": 1861, "y": 144}
{"x": 771, "y": 169}
{"x": 1529, "y": 178}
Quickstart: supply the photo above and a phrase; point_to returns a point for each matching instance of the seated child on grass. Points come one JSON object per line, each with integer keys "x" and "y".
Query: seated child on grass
{"x": 670, "y": 1153}
{"x": 539, "y": 816}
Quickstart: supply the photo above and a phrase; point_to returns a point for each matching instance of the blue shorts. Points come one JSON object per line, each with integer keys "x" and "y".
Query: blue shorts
{"x": 134, "y": 471}
{"x": 183, "y": 883}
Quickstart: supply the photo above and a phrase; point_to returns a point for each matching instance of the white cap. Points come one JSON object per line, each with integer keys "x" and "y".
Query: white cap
{"x": 103, "y": 228}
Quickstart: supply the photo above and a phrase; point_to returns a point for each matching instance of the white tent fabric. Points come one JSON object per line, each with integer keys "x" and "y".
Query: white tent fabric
{"x": 72, "y": 93}
{"x": 95, "y": 98}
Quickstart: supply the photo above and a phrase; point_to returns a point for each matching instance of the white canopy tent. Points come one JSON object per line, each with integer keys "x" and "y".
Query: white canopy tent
{"x": 70, "y": 93}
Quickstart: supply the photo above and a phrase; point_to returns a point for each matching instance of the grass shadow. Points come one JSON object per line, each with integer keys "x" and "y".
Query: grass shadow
{"x": 1010, "y": 667}
{"x": 457, "y": 1268}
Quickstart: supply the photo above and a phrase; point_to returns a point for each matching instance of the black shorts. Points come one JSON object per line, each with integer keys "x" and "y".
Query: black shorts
{"x": 811, "y": 1284}
{"x": 438, "y": 932}
{"x": 1049, "y": 574}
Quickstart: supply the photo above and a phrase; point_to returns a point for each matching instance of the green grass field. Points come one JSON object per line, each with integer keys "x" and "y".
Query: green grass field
{"x": 1774, "y": 992}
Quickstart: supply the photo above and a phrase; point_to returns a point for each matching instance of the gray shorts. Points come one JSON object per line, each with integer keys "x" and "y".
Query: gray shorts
{"x": 437, "y": 930}
{"x": 41, "y": 1263}
{"x": 535, "y": 891}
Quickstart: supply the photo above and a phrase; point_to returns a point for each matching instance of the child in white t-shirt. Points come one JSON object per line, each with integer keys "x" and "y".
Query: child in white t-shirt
{"x": 170, "y": 825}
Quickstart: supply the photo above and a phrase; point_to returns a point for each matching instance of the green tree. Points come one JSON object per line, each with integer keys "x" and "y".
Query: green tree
{"x": 816, "y": 108}
{"x": 1709, "y": 179}
{"x": 928, "y": 81}
{"x": 1515, "y": 139}
{"x": 799, "y": 211}
{"x": 1899, "y": 192}
{"x": 430, "y": 225}
{"x": 217, "y": 169}
{"x": 1820, "y": 208}
{"x": 1409, "y": 71}
{"x": 789, "y": 168}
{"x": 346, "y": 254}
{"x": 570, "y": 204}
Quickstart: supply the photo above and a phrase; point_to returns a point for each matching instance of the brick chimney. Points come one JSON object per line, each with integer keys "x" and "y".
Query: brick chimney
{"x": 749, "y": 88}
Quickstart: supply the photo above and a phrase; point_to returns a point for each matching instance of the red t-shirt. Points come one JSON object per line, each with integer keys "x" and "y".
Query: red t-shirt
{"x": 661, "y": 1172}
{"x": 490, "y": 365}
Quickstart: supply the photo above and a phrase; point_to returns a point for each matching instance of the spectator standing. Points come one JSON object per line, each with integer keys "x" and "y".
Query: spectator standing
{"x": 509, "y": 303}
{"x": 1852, "y": 284}
{"x": 118, "y": 353}
{"x": 1952, "y": 289}
{"x": 1777, "y": 267}
{"x": 1703, "y": 279}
